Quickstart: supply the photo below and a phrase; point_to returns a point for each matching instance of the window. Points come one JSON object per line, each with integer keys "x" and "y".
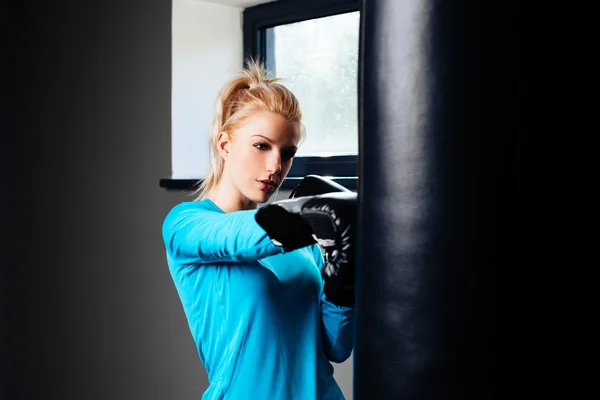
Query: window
{"x": 314, "y": 45}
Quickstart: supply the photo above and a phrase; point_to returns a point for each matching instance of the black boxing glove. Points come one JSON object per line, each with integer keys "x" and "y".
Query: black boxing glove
{"x": 312, "y": 185}
{"x": 329, "y": 220}
{"x": 339, "y": 286}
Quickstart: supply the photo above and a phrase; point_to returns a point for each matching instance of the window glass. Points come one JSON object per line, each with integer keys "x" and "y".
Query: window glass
{"x": 318, "y": 60}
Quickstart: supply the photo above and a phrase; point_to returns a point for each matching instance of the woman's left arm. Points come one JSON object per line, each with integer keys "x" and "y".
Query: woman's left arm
{"x": 337, "y": 330}
{"x": 337, "y": 324}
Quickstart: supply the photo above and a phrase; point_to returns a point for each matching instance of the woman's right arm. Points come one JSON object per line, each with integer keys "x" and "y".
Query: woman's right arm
{"x": 194, "y": 235}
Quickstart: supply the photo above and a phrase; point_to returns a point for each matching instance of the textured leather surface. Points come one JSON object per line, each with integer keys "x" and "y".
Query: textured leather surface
{"x": 439, "y": 107}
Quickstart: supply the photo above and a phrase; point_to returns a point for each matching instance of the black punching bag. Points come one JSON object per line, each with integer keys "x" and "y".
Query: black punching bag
{"x": 436, "y": 254}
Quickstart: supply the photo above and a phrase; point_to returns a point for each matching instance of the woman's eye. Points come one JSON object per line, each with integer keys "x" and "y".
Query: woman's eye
{"x": 262, "y": 146}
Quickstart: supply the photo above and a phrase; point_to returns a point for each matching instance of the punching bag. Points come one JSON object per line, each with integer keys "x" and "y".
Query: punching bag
{"x": 436, "y": 254}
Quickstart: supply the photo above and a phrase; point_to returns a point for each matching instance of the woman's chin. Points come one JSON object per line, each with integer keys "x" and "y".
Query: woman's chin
{"x": 262, "y": 197}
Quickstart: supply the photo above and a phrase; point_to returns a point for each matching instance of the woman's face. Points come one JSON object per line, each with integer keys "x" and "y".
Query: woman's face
{"x": 259, "y": 155}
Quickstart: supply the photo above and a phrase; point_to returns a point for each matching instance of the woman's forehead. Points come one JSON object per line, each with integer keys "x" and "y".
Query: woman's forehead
{"x": 271, "y": 126}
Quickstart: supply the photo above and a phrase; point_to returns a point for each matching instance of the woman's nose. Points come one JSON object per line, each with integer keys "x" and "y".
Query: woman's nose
{"x": 274, "y": 164}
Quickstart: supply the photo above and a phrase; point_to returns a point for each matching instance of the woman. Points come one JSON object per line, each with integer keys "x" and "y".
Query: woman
{"x": 257, "y": 312}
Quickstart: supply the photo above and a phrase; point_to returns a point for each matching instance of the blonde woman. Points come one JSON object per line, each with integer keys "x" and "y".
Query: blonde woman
{"x": 264, "y": 327}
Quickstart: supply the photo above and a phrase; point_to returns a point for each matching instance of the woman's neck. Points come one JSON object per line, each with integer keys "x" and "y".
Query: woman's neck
{"x": 229, "y": 199}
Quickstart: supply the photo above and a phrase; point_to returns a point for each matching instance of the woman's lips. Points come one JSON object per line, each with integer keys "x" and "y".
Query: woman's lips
{"x": 266, "y": 185}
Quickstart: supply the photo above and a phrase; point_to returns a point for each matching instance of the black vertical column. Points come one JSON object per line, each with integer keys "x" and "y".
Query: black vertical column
{"x": 439, "y": 135}
{"x": 9, "y": 172}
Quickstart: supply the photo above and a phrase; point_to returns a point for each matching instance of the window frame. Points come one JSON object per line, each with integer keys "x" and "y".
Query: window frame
{"x": 256, "y": 20}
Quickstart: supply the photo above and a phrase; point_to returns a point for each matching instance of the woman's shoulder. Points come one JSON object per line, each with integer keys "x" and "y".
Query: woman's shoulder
{"x": 201, "y": 205}
{"x": 184, "y": 208}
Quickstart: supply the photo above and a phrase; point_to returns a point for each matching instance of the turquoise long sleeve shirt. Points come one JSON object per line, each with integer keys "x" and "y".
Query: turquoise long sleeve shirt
{"x": 259, "y": 318}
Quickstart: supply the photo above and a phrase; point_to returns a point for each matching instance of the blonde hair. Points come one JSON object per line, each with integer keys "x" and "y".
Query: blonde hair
{"x": 251, "y": 91}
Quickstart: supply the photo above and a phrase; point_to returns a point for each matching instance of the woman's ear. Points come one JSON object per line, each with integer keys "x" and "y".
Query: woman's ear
{"x": 224, "y": 144}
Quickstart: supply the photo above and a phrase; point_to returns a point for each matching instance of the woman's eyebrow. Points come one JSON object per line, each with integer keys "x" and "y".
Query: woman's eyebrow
{"x": 264, "y": 137}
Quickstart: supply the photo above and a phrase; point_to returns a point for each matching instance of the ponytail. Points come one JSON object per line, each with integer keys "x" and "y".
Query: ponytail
{"x": 252, "y": 90}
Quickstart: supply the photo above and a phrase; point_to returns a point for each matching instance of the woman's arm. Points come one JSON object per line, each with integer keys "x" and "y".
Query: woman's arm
{"x": 193, "y": 234}
{"x": 337, "y": 331}
{"x": 337, "y": 324}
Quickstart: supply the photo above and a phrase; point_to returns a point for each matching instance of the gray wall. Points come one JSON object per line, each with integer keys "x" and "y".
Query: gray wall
{"x": 89, "y": 310}
{"x": 94, "y": 314}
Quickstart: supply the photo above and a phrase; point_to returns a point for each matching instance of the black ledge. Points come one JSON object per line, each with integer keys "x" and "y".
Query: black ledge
{"x": 288, "y": 183}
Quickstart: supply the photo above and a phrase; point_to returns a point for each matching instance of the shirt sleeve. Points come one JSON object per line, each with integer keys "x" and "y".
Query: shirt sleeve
{"x": 195, "y": 235}
{"x": 337, "y": 325}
